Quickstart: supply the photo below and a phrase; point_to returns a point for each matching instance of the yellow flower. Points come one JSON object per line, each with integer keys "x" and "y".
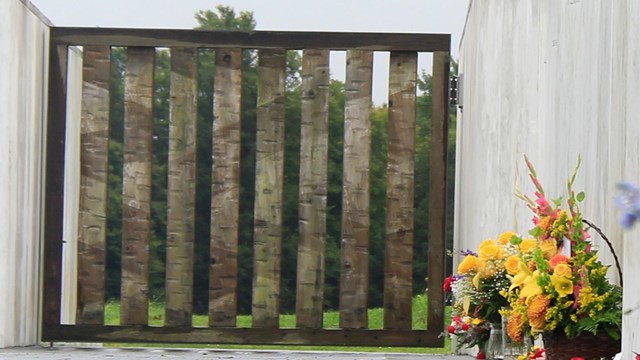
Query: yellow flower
{"x": 531, "y": 287}
{"x": 562, "y": 285}
{"x": 490, "y": 250}
{"x": 505, "y": 237}
{"x": 549, "y": 248}
{"x": 512, "y": 264}
{"x": 527, "y": 245}
{"x": 563, "y": 270}
{"x": 476, "y": 321}
{"x": 468, "y": 264}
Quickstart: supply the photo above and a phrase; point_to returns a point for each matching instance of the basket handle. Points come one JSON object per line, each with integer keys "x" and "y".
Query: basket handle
{"x": 597, "y": 229}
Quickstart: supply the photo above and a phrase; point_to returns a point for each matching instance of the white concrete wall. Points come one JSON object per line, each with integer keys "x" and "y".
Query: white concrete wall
{"x": 553, "y": 79}
{"x": 24, "y": 52}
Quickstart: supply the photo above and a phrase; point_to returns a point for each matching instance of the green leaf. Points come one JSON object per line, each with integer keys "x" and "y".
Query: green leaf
{"x": 580, "y": 196}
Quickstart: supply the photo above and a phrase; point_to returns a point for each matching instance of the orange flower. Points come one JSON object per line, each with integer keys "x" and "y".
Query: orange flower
{"x": 536, "y": 311}
{"x": 545, "y": 222}
{"x": 515, "y": 326}
{"x": 558, "y": 259}
{"x": 505, "y": 237}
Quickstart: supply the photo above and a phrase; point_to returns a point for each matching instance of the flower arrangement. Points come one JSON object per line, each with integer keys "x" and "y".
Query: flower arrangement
{"x": 556, "y": 280}
{"x": 478, "y": 289}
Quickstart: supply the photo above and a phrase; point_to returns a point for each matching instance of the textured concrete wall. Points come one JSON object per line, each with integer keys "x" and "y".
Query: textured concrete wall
{"x": 554, "y": 80}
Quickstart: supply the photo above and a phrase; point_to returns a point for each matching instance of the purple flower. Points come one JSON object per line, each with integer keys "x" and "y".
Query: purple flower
{"x": 468, "y": 252}
{"x": 628, "y": 200}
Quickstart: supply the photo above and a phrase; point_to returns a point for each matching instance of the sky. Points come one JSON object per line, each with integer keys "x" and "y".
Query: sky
{"x": 410, "y": 16}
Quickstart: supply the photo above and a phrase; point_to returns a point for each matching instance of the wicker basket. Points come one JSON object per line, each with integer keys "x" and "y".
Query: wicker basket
{"x": 586, "y": 345}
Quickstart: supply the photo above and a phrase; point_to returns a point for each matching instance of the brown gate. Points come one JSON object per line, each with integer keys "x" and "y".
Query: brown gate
{"x": 226, "y": 136}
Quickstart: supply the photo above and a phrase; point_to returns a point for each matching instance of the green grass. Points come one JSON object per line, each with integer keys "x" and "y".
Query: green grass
{"x": 331, "y": 320}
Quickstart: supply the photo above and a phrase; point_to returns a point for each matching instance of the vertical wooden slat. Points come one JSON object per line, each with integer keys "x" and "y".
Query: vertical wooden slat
{"x": 398, "y": 289}
{"x": 269, "y": 182}
{"x": 437, "y": 190}
{"x": 136, "y": 185}
{"x": 54, "y": 188}
{"x": 181, "y": 186}
{"x": 354, "y": 268}
{"x": 94, "y": 160}
{"x": 225, "y": 188}
{"x": 312, "y": 209}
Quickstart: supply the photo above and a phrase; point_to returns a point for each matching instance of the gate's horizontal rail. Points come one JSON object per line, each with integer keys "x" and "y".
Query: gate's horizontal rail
{"x": 254, "y": 39}
{"x": 246, "y": 336}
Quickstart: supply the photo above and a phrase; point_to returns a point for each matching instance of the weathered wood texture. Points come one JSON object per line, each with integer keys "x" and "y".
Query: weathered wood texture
{"x": 398, "y": 260}
{"x": 254, "y": 39}
{"x": 181, "y": 186}
{"x": 136, "y": 185}
{"x": 312, "y": 208}
{"x": 437, "y": 189}
{"x": 249, "y": 336}
{"x": 94, "y": 162}
{"x": 354, "y": 262}
{"x": 54, "y": 190}
{"x": 268, "y": 187}
{"x": 225, "y": 188}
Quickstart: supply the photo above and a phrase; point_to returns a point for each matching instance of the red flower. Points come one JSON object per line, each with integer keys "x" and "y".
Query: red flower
{"x": 577, "y": 358}
{"x": 465, "y": 327}
{"x": 637, "y": 355}
{"x": 451, "y": 329}
{"x": 447, "y": 284}
{"x": 481, "y": 355}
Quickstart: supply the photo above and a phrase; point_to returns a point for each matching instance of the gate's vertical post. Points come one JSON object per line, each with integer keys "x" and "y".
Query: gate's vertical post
{"x": 92, "y": 241}
{"x": 54, "y": 188}
{"x": 225, "y": 188}
{"x": 437, "y": 189}
{"x": 356, "y": 192}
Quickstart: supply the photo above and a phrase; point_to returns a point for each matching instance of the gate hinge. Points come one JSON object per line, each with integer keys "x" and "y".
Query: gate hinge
{"x": 455, "y": 86}
{"x": 453, "y": 90}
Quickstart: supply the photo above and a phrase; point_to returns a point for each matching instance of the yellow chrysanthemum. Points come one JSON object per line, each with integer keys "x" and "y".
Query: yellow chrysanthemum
{"x": 505, "y": 237}
{"x": 512, "y": 264}
{"x": 468, "y": 264}
{"x": 536, "y": 312}
{"x": 527, "y": 245}
{"x": 562, "y": 285}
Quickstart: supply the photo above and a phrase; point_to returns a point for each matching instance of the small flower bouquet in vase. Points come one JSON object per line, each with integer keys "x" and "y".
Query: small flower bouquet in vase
{"x": 558, "y": 286}
{"x": 478, "y": 290}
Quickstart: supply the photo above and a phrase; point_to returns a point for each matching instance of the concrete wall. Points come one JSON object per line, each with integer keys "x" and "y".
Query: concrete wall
{"x": 554, "y": 80}
{"x": 24, "y": 51}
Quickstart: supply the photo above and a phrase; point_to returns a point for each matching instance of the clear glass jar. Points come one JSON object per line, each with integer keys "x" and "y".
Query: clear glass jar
{"x": 495, "y": 344}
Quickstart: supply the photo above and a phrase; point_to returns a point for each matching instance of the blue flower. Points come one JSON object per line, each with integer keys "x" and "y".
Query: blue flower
{"x": 628, "y": 200}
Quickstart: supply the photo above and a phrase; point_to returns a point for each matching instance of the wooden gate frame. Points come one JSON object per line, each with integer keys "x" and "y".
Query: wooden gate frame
{"x": 350, "y": 334}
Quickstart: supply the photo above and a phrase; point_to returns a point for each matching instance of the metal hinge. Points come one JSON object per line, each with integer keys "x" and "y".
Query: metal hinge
{"x": 453, "y": 90}
{"x": 455, "y": 86}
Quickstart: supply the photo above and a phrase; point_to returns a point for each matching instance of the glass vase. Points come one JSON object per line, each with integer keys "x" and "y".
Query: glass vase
{"x": 494, "y": 344}
{"x": 511, "y": 349}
